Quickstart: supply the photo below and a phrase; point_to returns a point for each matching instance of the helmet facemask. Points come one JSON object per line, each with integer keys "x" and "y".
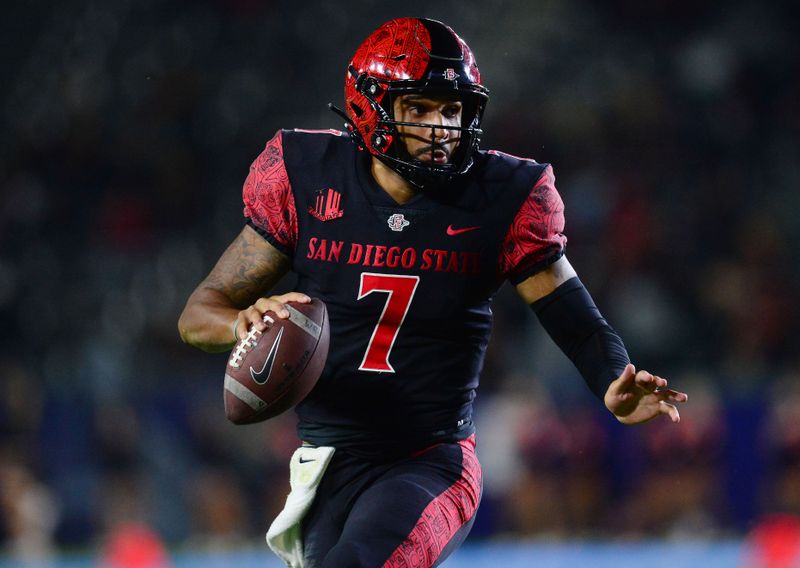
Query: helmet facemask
{"x": 389, "y": 140}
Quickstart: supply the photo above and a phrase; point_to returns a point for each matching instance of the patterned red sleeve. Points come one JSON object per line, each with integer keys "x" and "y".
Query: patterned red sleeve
{"x": 536, "y": 236}
{"x": 268, "y": 198}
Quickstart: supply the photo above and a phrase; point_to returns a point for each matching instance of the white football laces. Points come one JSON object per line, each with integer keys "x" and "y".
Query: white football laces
{"x": 247, "y": 343}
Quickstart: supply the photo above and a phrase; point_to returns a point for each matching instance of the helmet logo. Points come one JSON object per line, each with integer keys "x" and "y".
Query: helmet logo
{"x": 450, "y": 74}
{"x": 397, "y": 222}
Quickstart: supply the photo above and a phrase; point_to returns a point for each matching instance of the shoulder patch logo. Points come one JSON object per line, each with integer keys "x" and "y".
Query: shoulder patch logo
{"x": 397, "y": 222}
{"x": 327, "y": 205}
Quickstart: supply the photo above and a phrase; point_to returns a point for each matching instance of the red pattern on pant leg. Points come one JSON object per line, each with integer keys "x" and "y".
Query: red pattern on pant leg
{"x": 443, "y": 516}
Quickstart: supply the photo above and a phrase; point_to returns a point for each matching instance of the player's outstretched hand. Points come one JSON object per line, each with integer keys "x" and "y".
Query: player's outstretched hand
{"x": 638, "y": 397}
{"x": 254, "y": 314}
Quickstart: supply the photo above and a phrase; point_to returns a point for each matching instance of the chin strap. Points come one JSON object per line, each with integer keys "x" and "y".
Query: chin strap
{"x": 348, "y": 125}
{"x": 393, "y": 163}
{"x": 419, "y": 175}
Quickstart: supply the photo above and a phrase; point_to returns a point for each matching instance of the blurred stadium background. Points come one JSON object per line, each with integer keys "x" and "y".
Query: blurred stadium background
{"x": 127, "y": 131}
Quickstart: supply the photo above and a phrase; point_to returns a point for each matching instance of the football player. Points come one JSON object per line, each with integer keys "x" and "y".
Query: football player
{"x": 406, "y": 230}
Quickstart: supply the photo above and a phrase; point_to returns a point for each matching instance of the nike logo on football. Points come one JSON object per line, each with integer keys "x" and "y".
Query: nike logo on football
{"x": 453, "y": 231}
{"x": 273, "y": 352}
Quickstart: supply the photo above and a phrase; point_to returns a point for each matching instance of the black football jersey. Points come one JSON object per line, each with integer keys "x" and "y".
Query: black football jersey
{"x": 408, "y": 287}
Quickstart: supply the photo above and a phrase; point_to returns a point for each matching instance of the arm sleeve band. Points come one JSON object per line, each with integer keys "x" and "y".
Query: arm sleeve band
{"x": 572, "y": 320}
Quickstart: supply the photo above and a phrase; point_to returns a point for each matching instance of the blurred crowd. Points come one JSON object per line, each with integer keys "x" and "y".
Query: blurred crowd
{"x": 127, "y": 131}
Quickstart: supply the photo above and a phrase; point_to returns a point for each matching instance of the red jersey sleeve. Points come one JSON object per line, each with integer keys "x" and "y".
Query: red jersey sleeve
{"x": 268, "y": 198}
{"x": 536, "y": 237}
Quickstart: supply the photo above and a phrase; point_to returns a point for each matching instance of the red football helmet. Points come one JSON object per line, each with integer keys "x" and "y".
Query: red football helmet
{"x": 413, "y": 55}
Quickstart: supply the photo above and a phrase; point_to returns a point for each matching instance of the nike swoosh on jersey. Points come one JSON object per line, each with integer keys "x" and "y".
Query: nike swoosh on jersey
{"x": 273, "y": 352}
{"x": 306, "y": 461}
{"x": 453, "y": 231}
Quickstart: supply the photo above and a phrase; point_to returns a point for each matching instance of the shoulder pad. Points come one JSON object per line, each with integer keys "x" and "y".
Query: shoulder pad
{"x": 330, "y": 131}
{"x": 510, "y": 156}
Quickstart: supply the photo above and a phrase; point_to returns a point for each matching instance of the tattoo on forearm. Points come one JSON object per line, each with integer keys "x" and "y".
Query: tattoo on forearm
{"x": 247, "y": 269}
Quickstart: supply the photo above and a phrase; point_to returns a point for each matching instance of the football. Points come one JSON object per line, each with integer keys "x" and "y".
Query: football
{"x": 268, "y": 373}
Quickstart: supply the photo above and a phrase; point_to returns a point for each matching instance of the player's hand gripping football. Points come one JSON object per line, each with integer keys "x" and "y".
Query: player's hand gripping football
{"x": 255, "y": 313}
{"x": 638, "y": 397}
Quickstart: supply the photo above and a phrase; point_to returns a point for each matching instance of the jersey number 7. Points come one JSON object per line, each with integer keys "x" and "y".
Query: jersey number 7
{"x": 401, "y": 291}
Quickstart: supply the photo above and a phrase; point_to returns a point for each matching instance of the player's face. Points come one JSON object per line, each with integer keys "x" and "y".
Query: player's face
{"x": 423, "y": 142}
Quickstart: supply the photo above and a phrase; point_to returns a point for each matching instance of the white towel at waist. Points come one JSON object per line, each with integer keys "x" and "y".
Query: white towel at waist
{"x": 285, "y": 535}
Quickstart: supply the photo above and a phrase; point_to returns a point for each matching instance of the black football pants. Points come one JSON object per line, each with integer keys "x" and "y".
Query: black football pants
{"x": 409, "y": 512}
